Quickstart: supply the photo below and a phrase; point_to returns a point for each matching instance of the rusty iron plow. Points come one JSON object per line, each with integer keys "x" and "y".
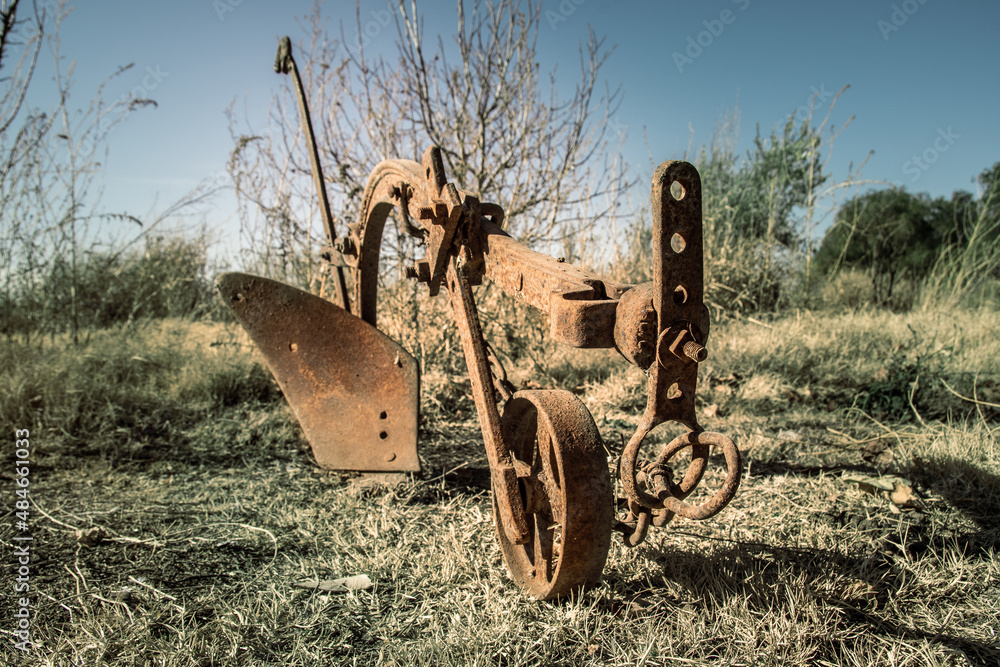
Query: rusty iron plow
{"x": 356, "y": 392}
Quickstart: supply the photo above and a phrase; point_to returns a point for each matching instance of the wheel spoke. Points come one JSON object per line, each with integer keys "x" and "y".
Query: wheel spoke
{"x": 542, "y": 446}
{"x": 529, "y": 548}
{"x": 542, "y": 548}
{"x": 549, "y": 460}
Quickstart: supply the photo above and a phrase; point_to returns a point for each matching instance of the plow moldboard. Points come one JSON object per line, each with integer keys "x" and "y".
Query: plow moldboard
{"x": 354, "y": 390}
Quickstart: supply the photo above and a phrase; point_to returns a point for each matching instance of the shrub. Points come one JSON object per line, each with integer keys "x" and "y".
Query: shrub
{"x": 168, "y": 277}
{"x": 846, "y": 290}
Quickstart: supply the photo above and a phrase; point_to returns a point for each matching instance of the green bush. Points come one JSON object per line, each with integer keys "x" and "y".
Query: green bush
{"x": 167, "y": 277}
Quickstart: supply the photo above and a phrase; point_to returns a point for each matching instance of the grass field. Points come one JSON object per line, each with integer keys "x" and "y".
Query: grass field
{"x": 175, "y": 507}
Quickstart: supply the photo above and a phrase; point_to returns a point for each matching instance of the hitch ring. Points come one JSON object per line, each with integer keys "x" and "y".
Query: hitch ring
{"x": 672, "y": 497}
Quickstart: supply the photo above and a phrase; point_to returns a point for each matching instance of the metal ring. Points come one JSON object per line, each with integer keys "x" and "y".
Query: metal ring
{"x": 636, "y": 493}
{"x": 673, "y": 501}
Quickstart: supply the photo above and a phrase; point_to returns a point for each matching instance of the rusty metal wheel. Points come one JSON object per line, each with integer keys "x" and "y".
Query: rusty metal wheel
{"x": 566, "y": 488}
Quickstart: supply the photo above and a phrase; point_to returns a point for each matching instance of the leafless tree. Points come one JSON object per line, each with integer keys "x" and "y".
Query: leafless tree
{"x": 21, "y": 133}
{"x": 51, "y": 172}
{"x": 507, "y": 135}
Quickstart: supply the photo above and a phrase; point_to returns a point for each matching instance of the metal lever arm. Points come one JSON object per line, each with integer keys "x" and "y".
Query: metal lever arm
{"x": 678, "y": 293}
{"x": 285, "y": 64}
{"x": 506, "y": 489}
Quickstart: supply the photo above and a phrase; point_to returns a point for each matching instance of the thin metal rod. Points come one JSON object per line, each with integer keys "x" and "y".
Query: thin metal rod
{"x": 284, "y": 64}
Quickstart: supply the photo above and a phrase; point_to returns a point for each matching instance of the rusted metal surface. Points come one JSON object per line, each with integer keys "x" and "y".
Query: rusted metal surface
{"x": 392, "y": 183}
{"x": 672, "y": 495}
{"x": 506, "y": 495}
{"x": 635, "y": 326}
{"x": 354, "y": 390}
{"x": 581, "y": 305}
{"x": 582, "y": 308}
{"x": 672, "y": 353}
{"x": 678, "y": 292}
{"x": 552, "y": 491}
{"x": 441, "y": 210}
{"x": 562, "y": 472}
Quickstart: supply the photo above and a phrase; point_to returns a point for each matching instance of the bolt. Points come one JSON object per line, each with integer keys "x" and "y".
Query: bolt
{"x": 344, "y": 245}
{"x": 422, "y": 271}
{"x": 684, "y": 347}
{"x": 695, "y": 351}
{"x": 391, "y": 456}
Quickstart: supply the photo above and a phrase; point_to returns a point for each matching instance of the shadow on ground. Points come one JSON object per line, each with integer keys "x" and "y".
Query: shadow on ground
{"x": 758, "y": 576}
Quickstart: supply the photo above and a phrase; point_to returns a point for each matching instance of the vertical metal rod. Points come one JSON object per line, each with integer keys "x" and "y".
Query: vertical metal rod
{"x": 285, "y": 64}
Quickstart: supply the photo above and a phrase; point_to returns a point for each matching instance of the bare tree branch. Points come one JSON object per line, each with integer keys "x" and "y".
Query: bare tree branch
{"x": 505, "y": 136}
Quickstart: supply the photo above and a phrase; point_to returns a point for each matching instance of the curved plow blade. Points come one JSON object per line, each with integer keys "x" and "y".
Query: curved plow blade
{"x": 354, "y": 390}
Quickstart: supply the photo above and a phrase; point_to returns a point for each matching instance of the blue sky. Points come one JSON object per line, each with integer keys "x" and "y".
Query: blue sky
{"x": 923, "y": 75}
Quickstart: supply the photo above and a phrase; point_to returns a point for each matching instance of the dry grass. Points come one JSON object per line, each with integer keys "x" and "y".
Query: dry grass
{"x": 212, "y": 518}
